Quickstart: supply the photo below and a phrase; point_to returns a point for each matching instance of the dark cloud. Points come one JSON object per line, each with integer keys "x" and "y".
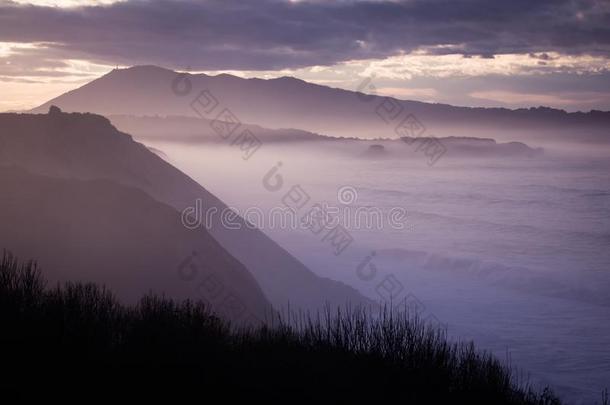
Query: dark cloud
{"x": 273, "y": 34}
{"x": 36, "y": 62}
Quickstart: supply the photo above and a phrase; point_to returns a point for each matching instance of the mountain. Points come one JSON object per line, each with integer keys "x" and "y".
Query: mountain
{"x": 100, "y": 231}
{"x": 87, "y": 147}
{"x": 292, "y": 103}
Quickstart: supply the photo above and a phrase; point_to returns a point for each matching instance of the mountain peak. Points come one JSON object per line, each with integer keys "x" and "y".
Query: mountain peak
{"x": 144, "y": 69}
{"x": 288, "y": 102}
{"x": 139, "y": 71}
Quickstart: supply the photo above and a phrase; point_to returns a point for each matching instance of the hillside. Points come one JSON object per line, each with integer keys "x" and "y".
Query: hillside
{"x": 130, "y": 242}
{"x": 88, "y": 147}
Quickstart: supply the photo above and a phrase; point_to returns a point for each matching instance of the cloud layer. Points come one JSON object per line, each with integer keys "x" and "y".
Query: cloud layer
{"x": 464, "y": 52}
{"x": 274, "y": 34}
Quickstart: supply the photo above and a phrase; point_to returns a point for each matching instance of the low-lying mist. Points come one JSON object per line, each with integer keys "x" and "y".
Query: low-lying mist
{"x": 477, "y": 244}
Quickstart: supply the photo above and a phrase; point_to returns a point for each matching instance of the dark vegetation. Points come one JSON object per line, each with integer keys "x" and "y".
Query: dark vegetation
{"x": 77, "y": 343}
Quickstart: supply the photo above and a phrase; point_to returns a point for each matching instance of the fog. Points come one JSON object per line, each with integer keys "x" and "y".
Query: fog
{"x": 508, "y": 251}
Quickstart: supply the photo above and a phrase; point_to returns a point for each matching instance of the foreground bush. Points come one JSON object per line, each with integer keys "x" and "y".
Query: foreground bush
{"x": 77, "y": 343}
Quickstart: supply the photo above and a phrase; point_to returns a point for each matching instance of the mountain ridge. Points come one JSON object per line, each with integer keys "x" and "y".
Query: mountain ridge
{"x": 294, "y": 103}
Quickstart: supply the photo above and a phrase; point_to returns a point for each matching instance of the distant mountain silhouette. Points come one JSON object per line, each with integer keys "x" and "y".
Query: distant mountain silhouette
{"x": 199, "y": 130}
{"x": 195, "y": 130}
{"x": 88, "y": 147}
{"x": 292, "y": 103}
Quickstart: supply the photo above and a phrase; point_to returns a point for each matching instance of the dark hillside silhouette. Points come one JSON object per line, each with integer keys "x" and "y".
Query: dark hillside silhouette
{"x": 77, "y": 343}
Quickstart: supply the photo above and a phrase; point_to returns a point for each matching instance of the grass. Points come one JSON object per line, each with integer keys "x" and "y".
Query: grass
{"x": 76, "y": 342}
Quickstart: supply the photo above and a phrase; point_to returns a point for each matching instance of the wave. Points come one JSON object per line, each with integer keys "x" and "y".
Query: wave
{"x": 525, "y": 279}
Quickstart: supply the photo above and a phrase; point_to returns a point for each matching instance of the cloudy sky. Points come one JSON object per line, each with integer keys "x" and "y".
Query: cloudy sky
{"x": 516, "y": 53}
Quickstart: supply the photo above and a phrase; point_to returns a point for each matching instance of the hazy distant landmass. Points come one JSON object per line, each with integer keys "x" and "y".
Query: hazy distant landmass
{"x": 198, "y": 130}
{"x": 292, "y": 103}
{"x": 376, "y": 151}
{"x": 195, "y": 129}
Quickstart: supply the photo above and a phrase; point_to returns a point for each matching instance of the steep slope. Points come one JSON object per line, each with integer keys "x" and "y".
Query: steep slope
{"x": 292, "y": 103}
{"x": 87, "y": 146}
{"x": 99, "y": 231}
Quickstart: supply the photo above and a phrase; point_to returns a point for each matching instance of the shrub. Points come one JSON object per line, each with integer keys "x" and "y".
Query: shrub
{"x": 77, "y": 342}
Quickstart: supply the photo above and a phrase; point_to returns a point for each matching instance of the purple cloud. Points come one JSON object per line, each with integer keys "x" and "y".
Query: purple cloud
{"x": 273, "y": 34}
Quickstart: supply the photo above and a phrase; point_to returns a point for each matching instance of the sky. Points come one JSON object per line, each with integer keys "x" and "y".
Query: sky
{"x": 518, "y": 53}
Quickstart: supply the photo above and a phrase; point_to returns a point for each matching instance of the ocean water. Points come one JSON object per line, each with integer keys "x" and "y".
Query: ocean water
{"x": 511, "y": 253}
